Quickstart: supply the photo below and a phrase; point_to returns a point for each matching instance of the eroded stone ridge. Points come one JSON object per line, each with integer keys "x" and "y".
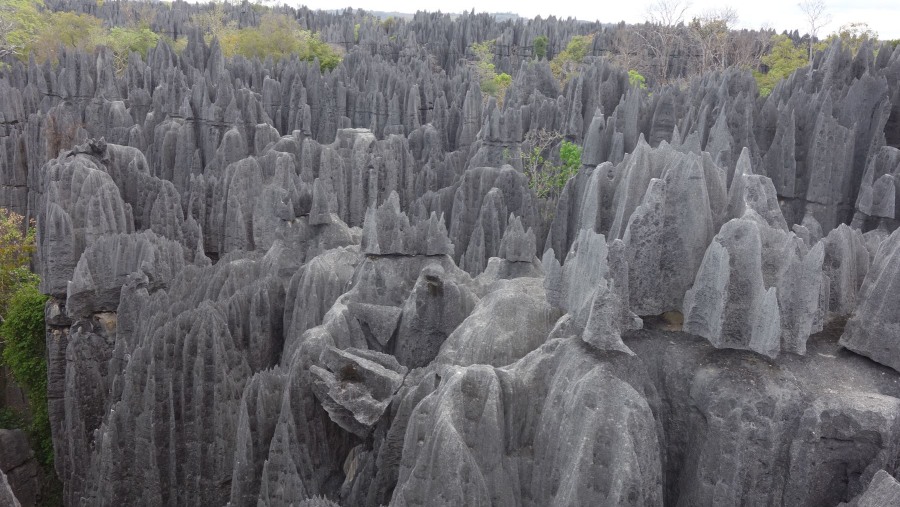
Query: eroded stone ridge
{"x": 273, "y": 285}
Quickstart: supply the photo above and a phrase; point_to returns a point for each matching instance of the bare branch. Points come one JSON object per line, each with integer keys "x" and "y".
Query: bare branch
{"x": 817, "y": 17}
{"x": 668, "y": 13}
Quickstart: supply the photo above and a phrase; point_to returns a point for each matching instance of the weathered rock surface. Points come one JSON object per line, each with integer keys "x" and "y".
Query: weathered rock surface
{"x": 884, "y": 490}
{"x": 274, "y": 285}
{"x": 19, "y": 470}
{"x": 6, "y": 493}
{"x": 874, "y": 328}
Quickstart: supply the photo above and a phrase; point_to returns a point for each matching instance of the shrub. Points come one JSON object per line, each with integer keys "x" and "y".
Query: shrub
{"x": 570, "y": 58}
{"x": 636, "y": 79}
{"x": 784, "y": 59}
{"x": 540, "y": 46}
{"x": 278, "y": 36}
{"x": 492, "y": 84}
{"x": 22, "y": 328}
{"x": 16, "y": 247}
{"x": 124, "y": 41}
{"x": 853, "y": 35}
{"x": 67, "y": 29}
{"x": 19, "y": 22}
{"x": 546, "y": 179}
{"x": 24, "y": 353}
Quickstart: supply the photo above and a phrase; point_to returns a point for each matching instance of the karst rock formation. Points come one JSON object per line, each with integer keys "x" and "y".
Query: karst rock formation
{"x": 272, "y": 285}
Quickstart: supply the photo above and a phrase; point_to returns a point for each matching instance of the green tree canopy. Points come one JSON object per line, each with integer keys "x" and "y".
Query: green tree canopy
{"x": 784, "y": 59}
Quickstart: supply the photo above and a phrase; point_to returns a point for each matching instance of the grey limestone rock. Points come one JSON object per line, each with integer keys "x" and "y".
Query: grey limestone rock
{"x": 883, "y": 491}
{"x": 517, "y": 245}
{"x": 387, "y": 231}
{"x": 468, "y": 418}
{"x": 344, "y": 213}
{"x": 834, "y": 431}
{"x": 758, "y": 281}
{"x": 822, "y": 431}
{"x": 728, "y": 303}
{"x": 81, "y": 203}
{"x": 7, "y": 497}
{"x": 874, "y": 329}
{"x": 19, "y": 470}
{"x": 665, "y": 242}
{"x": 356, "y": 386}
{"x": 879, "y": 187}
{"x": 506, "y": 324}
{"x": 846, "y": 263}
{"x": 104, "y": 266}
{"x": 436, "y": 306}
{"x": 486, "y": 196}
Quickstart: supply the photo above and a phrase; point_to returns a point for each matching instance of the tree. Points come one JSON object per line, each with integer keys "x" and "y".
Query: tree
{"x": 816, "y": 17}
{"x": 23, "y": 339}
{"x": 492, "y": 83}
{"x": 660, "y": 36}
{"x": 8, "y": 47}
{"x": 16, "y": 248}
{"x": 540, "y": 46}
{"x": 277, "y": 35}
{"x": 854, "y": 35}
{"x": 124, "y": 41}
{"x": 68, "y": 29}
{"x": 636, "y": 79}
{"x": 710, "y": 34}
{"x": 25, "y": 355}
{"x": 568, "y": 60}
{"x": 782, "y": 60}
{"x": 545, "y": 178}
{"x": 19, "y": 20}
{"x": 667, "y": 13}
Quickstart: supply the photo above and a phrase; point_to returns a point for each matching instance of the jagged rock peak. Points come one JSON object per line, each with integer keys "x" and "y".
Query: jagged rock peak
{"x": 387, "y": 231}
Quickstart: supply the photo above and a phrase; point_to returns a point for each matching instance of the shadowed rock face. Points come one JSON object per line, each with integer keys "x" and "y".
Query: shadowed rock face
{"x": 276, "y": 286}
{"x": 19, "y": 470}
{"x": 883, "y": 490}
{"x": 874, "y": 328}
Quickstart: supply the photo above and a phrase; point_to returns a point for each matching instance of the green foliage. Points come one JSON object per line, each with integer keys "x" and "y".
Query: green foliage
{"x": 38, "y": 32}
{"x": 492, "y": 84}
{"x": 278, "y": 36}
{"x": 389, "y": 24}
{"x": 356, "y": 33}
{"x": 784, "y": 59}
{"x": 540, "y": 46}
{"x": 127, "y": 40}
{"x": 570, "y": 58}
{"x": 24, "y": 353}
{"x": 853, "y": 35}
{"x": 546, "y": 179}
{"x": 124, "y": 41}
{"x": 16, "y": 247}
{"x": 20, "y": 20}
{"x": 22, "y": 328}
{"x": 67, "y": 29}
{"x": 636, "y": 79}
{"x": 177, "y": 45}
{"x": 10, "y": 419}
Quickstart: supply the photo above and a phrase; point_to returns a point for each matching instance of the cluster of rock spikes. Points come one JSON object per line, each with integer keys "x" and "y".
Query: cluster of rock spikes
{"x": 275, "y": 286}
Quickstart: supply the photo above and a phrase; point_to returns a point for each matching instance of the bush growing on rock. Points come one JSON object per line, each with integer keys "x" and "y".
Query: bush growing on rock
{"x": 24, "y": 353}
{"x": 16, "y": 247}
{"x": 567, "y": 61}
{"x": 540, "y": 44}
{"x": 492, "y": 83}
{"x": 784, "y": 59}
{"x": 278, "y": 36}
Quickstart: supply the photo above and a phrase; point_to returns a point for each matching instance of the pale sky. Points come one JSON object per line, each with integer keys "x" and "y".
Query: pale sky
{"x": 881, "y": 15}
